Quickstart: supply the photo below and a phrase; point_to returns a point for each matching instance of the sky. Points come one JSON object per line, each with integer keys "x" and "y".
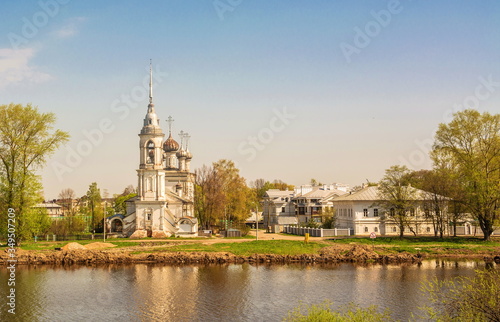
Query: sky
{"x": 292, "y": 90}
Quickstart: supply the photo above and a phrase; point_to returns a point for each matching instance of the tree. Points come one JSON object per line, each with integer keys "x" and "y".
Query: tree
{"x": 221, "y": 194}
{"x": 93, "y": 199}
{"x": 471, "y": 144}
{"x": 66, "y": 197}
{"x": 120, "y": 207}
{"x": 435, "y": 185}
{"x": 27, "y": 139}
{"x": 474, "y": 298}
{"x": 329, "y": 218}
{"x": 315, "y": 183}
{"x": 397, "y": 197}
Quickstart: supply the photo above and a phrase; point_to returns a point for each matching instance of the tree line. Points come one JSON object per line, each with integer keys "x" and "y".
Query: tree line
{"x": 465, "y": 178}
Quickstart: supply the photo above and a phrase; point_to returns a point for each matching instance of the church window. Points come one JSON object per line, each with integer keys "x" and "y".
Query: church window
{"x": 375, "y": 229}
{"x": 150, "y": 157}
{"x": 366, "y": 229}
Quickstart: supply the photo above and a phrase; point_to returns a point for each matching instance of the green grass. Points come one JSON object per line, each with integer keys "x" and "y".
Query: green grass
{"x": 407, "y": 241}
{"x": 279, "y": 247}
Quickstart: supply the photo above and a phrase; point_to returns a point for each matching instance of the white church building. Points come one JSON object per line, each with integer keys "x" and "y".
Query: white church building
{"x": 164, "y": 205}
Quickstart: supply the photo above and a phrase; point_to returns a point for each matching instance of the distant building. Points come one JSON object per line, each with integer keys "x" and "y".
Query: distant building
{"x": 306, "y": 203}
{"x": 361, "y": 211}
{"x": 54, "y": 210}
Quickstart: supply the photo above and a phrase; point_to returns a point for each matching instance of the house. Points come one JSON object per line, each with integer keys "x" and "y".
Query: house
{"x": 305, "y": 204}
{"x": 362, "y": 212}
{"x": 54, "y": 211}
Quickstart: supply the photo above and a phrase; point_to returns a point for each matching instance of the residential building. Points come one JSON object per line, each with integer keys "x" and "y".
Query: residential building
{"x": 362, "y": 212}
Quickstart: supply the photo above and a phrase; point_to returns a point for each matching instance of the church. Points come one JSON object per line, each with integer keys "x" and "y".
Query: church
{"x": 164, "y": 204}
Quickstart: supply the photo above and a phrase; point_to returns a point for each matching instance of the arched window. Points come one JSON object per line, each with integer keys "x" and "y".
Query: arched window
{"x": 150, "y": 157}
{"x": 366, "y": 229}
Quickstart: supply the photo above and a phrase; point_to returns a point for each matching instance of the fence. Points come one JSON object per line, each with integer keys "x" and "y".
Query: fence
{"x": 231, "y": 233}
{"x": 316, "y": 232}
{"x": 69, "y": 237}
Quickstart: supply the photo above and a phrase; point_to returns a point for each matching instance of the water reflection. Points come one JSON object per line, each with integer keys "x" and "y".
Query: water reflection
{"x": 153, "y": 292}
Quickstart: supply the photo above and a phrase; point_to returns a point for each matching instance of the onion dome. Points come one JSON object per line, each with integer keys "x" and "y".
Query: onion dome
{"x": 181, "y": 153}
{"x": 189, "y": 155}
{"x": 170, "y": 145}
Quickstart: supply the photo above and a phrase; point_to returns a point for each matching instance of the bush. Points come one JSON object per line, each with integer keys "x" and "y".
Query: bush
{"x": 465, "y": 298}
{"x": 324, "y": 312}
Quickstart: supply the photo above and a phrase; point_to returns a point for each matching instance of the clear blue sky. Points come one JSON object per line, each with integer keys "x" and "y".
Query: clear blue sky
{"x": 226, "y": 68}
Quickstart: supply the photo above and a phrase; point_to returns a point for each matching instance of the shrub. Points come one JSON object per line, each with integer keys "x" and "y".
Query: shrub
{"x": 465, "y": 298}
{"x": 324, "y": 312}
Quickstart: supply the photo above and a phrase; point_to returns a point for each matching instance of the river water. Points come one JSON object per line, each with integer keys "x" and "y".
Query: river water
{"x": 243, "y": 292}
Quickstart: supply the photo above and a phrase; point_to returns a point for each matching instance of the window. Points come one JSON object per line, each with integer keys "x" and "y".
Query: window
{"x": 148, "y": 216}
{"x": 366, "y": 229}
{"x": 393, "y": 229}
{"x": 376, "y": 229}
{"x": 392, "y": 212}
{"x": 282, "y": 209}
{"x": 428, "y": 229}
{"x": 150, "y": 158}
{"x": 412, "y": 212}
{"x": 375, "y": 212}
{"x": 365, "y": 212}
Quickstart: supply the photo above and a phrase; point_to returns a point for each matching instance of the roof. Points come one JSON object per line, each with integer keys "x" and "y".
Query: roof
{"x": 47, "y": 205}
{"x": 278, "y": 195}
{"x": 320, "y": 193}
{"x": 371, "y": 194}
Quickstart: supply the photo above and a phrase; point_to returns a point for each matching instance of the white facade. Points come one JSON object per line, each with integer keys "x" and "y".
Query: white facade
{"x": 306, "y": 203}
{"x": 361, "y": 211}
{"x": 164, "y": 203}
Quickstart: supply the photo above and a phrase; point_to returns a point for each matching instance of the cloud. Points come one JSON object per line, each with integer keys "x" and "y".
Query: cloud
{"x": 71, "y": 27}
{"x": 15, "y": 67}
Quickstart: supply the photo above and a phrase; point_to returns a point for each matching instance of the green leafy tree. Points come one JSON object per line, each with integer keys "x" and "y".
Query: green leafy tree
{"x": 329, "y": 218}
{"x": 93, "y": 200}
{"x": 397, "y": 197}
{"x": 221, "y": 194}
{"x": 27, "y": 139}
{"x": 471, "y": 144}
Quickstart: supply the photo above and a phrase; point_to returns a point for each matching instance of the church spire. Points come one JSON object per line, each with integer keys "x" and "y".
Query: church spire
{"x": 150, "y": 81}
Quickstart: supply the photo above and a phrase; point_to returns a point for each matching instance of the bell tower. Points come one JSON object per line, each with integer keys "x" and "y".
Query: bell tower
{"x": 151, "y": 202}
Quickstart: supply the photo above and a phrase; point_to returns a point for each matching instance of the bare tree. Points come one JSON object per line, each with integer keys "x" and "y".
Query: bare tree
{"x": 66, "y": 197}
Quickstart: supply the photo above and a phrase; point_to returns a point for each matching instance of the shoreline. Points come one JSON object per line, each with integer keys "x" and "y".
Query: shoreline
{"x": 330, "y": 254}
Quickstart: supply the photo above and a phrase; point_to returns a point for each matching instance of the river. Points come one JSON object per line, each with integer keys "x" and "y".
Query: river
{"x": 242, "y": 292}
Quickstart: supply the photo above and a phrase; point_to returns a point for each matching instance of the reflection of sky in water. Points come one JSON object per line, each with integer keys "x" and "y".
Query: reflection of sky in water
{"x": 216, "y": 293}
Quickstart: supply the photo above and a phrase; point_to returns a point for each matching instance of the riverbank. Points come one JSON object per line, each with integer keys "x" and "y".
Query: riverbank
{"x": 280, "y": 249}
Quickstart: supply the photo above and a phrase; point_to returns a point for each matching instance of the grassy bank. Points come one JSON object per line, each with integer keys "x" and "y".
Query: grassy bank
{"x": 431, "y": 247}
{"x": 277, "y": 247}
